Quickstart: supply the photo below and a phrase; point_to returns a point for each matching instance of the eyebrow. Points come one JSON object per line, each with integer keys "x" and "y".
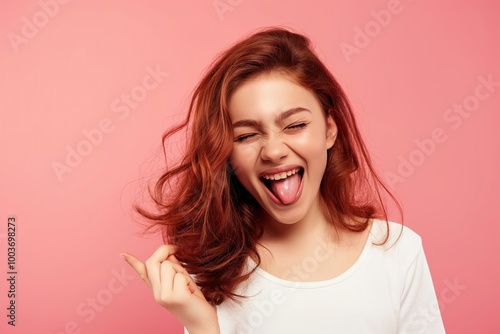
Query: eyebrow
{"x": 281, "y": 117}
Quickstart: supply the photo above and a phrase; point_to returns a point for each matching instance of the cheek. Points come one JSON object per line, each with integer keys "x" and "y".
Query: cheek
{"x": 311, "y": 143}
{"x": 312, "y": 148}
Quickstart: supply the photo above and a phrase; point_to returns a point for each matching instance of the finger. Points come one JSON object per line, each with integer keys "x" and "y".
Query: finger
{"x": 167, "y": 274}
{"x": 168, "y": 292}
{"x": 177, "y": 266}
{"x": 174, "y": 259}
{"x": 166, "y": 249}
{"x": 189, "y": 280}
{"x": 138, "y": 267}
{"x": 192, "y": 285}
{"x": 182, "y": 284}
{"x": 153, "y": 265}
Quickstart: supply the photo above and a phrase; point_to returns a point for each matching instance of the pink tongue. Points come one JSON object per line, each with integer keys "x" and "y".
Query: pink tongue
{"x": 286, "y": 189}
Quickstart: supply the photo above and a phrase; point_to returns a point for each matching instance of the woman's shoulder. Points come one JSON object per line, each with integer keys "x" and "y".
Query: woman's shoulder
{"x": 399, "y": 237}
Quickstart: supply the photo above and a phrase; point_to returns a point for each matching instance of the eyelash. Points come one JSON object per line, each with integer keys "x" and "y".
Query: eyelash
{"x": 250, "y": 135}
{"x": 244, "y": 137}
{"x": 296, "y": 126}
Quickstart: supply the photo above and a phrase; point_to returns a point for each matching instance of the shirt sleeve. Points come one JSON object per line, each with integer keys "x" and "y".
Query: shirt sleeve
{"x": 419, "y": 311}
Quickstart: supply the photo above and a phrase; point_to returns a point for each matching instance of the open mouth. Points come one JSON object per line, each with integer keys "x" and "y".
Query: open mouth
{"x": 284, "y": 187}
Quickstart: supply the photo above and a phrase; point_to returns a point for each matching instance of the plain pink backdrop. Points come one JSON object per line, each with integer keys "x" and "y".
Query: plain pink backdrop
{"x": 65, "y": 68}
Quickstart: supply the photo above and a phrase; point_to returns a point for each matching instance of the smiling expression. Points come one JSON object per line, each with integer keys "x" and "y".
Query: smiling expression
{"x": 281, "y": 138}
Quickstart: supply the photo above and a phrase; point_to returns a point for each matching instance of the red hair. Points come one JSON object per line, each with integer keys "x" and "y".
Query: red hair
{"x": 206, "y": 212}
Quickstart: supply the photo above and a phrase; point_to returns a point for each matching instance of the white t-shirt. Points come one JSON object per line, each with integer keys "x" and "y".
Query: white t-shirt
{"x": 387, "y": 290}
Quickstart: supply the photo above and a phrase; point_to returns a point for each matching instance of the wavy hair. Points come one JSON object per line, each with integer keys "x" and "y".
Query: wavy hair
{"x": 202, "y": 207}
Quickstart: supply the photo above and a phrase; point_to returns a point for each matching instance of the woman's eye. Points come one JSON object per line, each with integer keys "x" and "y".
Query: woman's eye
{"x": 296, "y": 126}
{"x": 242, "y": 138}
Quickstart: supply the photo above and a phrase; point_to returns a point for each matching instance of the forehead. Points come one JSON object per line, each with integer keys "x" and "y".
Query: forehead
{"x": 269, "y": 94}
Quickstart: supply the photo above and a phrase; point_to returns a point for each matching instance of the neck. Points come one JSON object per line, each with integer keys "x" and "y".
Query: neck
{"x": 315, "y": 224}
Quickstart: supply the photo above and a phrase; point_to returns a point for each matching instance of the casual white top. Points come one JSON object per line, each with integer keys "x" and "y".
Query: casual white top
{"x": 387, "y": 290}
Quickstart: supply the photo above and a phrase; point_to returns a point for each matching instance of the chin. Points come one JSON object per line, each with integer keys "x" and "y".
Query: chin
{"x": 286, "y": 218}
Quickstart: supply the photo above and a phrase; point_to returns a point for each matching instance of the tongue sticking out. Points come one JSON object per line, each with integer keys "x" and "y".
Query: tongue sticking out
{"x": 286, "y": 189}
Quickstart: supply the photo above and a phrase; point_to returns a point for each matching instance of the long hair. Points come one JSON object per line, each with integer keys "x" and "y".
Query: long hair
{"x": 206, "y": 212}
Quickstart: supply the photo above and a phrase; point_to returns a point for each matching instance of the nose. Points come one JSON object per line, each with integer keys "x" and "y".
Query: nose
{"x": 274, "y": 149}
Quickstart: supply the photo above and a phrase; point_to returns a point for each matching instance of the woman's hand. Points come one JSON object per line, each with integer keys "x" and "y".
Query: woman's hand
{"x": 175, "y": 290}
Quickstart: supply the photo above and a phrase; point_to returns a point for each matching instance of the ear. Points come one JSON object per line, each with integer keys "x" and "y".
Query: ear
{"x": 331, "y": 132}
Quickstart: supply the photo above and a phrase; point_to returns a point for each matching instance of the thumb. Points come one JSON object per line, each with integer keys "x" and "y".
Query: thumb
{"x": 138, "y": 266}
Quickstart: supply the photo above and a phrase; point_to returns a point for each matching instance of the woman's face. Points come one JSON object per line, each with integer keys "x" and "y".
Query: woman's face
{"x": 281, "y": 138}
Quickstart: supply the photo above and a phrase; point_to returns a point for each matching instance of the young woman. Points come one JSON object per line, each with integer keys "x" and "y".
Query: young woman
{"x": 275, "y": 220}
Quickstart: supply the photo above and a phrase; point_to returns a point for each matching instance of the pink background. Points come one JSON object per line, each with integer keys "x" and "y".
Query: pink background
{"x": 64, "y": 76}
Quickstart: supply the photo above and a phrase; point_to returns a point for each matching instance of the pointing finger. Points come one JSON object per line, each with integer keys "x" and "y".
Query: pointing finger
{"x": 138, "y": 266}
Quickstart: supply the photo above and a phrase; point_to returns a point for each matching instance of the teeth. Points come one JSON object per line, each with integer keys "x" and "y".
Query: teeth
{"x": 280, "y": 176}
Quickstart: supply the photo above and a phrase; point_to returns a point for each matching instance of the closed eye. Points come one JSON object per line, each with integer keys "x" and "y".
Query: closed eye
{"x": 244, "y": 137}
{"x": 296, "y": 126}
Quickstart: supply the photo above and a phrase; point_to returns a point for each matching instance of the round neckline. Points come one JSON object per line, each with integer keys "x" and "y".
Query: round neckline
{"x": 318, "y": 284}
